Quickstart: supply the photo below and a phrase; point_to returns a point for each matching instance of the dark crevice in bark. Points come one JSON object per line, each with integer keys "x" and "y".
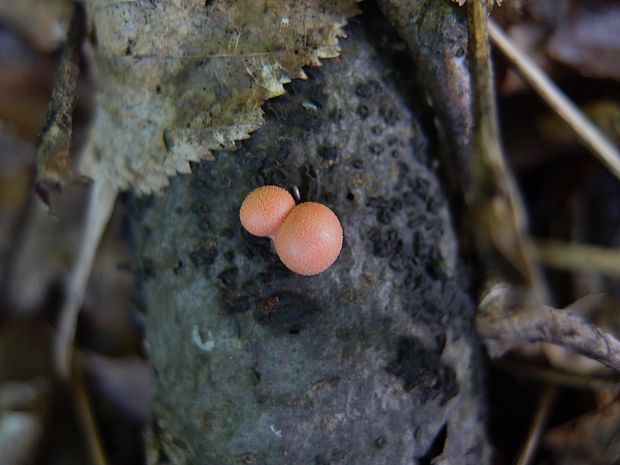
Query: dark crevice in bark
{"x": 436, "y": 448}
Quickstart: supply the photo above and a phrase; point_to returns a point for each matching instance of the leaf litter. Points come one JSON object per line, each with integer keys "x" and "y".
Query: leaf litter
{"x": 167, "y": 137}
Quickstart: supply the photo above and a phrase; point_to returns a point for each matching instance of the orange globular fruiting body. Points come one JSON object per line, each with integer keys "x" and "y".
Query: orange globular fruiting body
{"x": 310, "y": 239}
{"x": 264, "y": 210}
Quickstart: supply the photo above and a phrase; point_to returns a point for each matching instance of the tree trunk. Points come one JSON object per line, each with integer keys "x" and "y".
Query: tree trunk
{"x": 374, "y": 361}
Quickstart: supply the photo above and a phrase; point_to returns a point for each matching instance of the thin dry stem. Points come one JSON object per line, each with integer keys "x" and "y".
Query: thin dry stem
{"x": 494, "y": 200}
{"x": 526, "y": 454}
{"x": 87, "y": 420}
{"x": 579, "y": 257}
{"x": 100, "y": 205}
{"x": 587, "y": 132}
{"x": 504, "y": 332}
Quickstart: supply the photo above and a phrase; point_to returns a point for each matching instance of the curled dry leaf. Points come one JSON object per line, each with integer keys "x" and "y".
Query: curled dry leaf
{"x": 182, "y": 78}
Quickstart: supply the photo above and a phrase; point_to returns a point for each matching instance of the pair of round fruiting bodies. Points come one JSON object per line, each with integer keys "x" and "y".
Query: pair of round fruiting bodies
{"x": 307, "y": 237}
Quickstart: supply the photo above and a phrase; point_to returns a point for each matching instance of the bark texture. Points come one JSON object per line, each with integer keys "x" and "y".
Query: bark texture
{"x": 373, "y": 361}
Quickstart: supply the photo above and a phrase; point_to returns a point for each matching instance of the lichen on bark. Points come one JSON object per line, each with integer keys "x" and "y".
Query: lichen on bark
{"x": 373, "y": 361}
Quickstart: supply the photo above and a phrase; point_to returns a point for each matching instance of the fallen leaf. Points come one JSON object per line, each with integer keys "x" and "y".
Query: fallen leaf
{"x": 182, "y": 78}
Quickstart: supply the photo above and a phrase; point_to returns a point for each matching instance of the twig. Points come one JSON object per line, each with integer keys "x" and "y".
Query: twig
{"x": 100, "y": 205}
{"x": 579, "y": 257}
{"x": 495, "y": 202}
{"x": 526, "y": 454}
{"x": 55, "y": 139}
{"x": 504, "y": 332}
{"x": 589, "y": 134}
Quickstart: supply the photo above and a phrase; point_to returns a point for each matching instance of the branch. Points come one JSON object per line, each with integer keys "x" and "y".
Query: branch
{"x": 504, "y": 332}
{"x": 494, "y": 200}
{"x": 100, "y": 206}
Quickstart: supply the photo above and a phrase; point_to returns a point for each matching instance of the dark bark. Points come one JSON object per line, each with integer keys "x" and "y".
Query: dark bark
{"x": 374, "y": 361}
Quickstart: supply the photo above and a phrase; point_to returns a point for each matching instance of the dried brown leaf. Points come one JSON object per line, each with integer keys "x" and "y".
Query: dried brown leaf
{"x": 182, "y": 78}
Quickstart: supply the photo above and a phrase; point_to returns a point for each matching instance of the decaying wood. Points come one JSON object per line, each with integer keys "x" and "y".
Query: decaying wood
{"x": 374, "y": 360}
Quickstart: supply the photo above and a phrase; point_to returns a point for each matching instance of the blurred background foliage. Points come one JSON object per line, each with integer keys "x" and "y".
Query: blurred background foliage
{"x": 569, "y": 196}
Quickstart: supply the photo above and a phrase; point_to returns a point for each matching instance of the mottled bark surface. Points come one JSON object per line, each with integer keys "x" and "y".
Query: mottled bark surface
{"x": 373, "y": 361}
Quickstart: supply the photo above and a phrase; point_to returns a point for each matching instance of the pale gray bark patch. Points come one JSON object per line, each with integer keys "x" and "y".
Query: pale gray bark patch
{"x": 373, "y": 361}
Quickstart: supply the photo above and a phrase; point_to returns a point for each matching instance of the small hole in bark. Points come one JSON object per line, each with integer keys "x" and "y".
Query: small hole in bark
{"x": 320, "y": 460}
{"x": 350, "y": 196}
{"x": 380, "y": 442}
